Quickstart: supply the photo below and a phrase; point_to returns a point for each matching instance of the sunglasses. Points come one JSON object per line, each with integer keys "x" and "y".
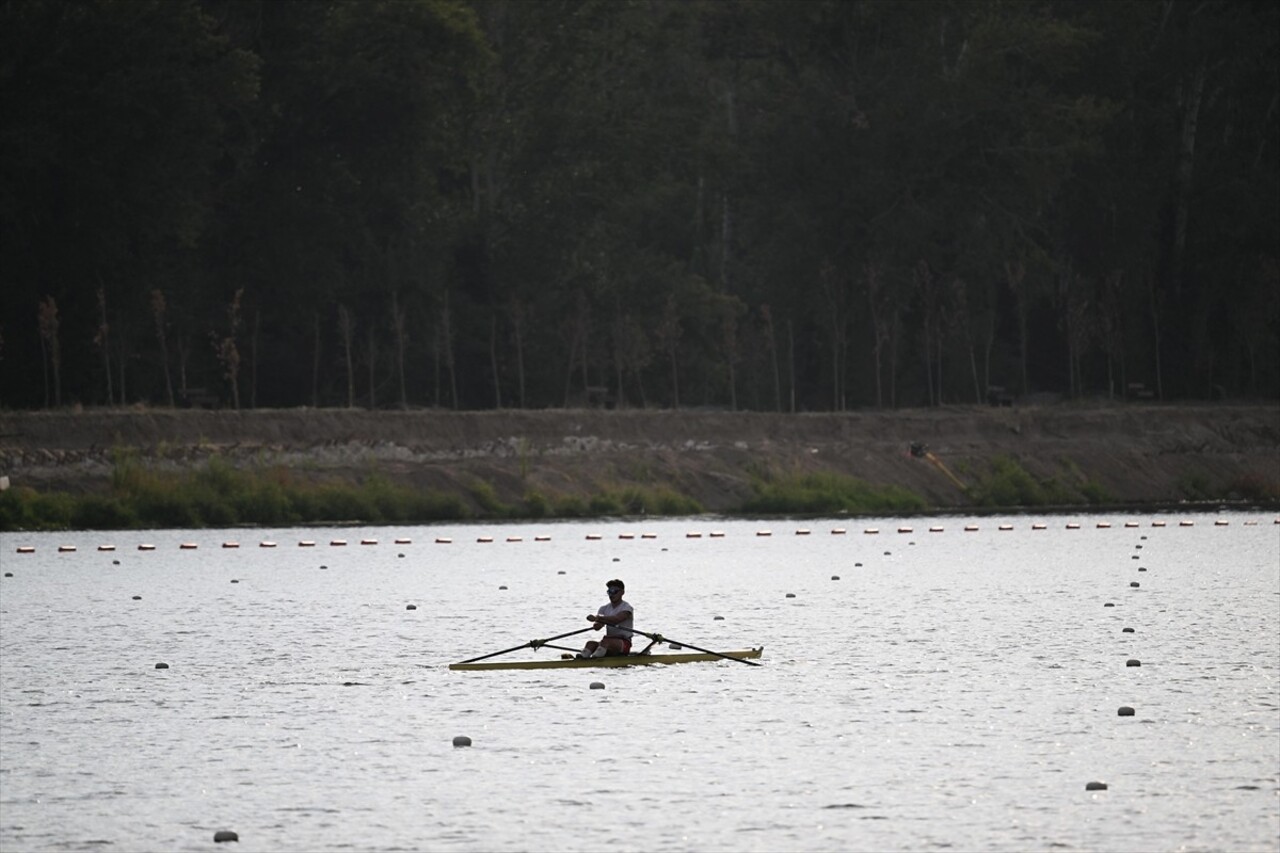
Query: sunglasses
{"x": 612, "y": 589}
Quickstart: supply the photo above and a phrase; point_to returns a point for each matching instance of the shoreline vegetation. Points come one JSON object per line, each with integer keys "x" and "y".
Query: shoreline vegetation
{"x": 192, "y": 469}
{"x": 218, "y": 496}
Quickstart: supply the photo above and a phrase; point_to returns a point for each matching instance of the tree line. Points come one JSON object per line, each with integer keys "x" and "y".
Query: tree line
{"x": 790, "y": 205}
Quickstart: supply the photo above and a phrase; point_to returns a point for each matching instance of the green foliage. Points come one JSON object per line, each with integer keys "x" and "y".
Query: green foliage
{"x": 483, "y": 494}
{"x": 828, "y": 493}
{"x": 1008, "y": 484}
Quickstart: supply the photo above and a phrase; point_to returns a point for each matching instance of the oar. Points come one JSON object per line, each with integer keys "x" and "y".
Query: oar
{"x": 532, "y": 644}
{"x": 658, "y": 638}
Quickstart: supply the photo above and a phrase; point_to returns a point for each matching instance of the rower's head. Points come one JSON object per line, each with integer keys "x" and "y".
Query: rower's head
{"x": 615, "y": 588}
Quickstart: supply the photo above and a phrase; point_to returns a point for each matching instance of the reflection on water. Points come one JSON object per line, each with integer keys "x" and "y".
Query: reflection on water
{"x": 951, "y": 689}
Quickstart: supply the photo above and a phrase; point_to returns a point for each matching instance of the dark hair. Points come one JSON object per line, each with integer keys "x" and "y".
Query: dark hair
{"x": 619, "y": 584}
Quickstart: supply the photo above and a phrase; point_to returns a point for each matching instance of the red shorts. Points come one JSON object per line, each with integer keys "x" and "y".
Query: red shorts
{"x": 626, "y": 643}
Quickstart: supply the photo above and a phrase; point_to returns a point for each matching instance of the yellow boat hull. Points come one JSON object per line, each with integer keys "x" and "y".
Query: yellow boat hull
{"x": 616, "y": 660}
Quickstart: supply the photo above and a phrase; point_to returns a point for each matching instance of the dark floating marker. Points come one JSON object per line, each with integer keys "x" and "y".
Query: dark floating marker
{"x": 1125, "y": 711}
{"x": 462, "y": 740}
{"x": 137, "y": 598}
{"x": 225, "y": 835}
{"x": 1095, "y": 786}
{"x": 617, "y": 559}
{"x": 1126, "y": 630}
{"x": 1134, "y": 557}
{"x": 115, "y": 562}
{"x": 1142, "y": 568}
{"x": 162, "y": 665}
{"x": 233, "y": 580}
{"x": 8, "y": 574}
{"x": 411, "y": 607}
{"x": 718, "y": 619}
{"x": 855, "y": 565}
{"x": 835, "y": 577}
{"x": 791, "y": 595}
{"x": 322, "y": 568}
{"x": 560, "y": 572}
{"x": 1108, "y": 604}
{"x": 401, "y": 556}
{"x": 502, "y": 587}
{"x": 1133, "y": 662}
{"x": 1134, "y": 584}
{"x": 597, "y": 685}
{"x": 1139, "y": 547}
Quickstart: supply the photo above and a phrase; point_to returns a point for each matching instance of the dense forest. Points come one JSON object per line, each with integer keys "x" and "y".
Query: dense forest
{"x": 781, "y": 205}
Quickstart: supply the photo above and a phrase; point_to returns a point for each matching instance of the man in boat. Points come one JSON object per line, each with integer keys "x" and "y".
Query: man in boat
{"x": 617, "y": 618}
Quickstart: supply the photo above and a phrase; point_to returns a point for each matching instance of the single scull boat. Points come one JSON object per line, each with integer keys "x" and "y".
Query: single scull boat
{"x": 613, "y": 660}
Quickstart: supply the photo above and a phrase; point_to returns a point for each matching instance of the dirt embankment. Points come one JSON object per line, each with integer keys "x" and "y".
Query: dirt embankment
{"x": 1133, "y": 454}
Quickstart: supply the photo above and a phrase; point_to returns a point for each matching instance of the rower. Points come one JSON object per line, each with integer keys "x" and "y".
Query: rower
{"x": 617, "y": 618}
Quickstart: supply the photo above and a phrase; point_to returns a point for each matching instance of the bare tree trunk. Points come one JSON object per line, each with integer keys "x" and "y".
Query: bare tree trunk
{"x": 493, "y": 360}
{"x": 397, "y": 326}
{"x": 158, "y": 311}
{"x": 315, "y": 360}
{"x": 102, "y": 339}
{"x": 346, "y": 328}
{"x": 371, "y": 353}
{"x": 1186, "y": 162}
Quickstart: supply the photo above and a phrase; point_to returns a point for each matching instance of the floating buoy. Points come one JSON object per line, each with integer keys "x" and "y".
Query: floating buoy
{"x": 648, "y": 536}
{"x": 400, "y": 556}
{"x": 267, "y": 544}
{"x": 888, "y": 553}
{"x": 1138, "y": 547}
{"x": 322, "y": 568}
{"x": 1125, "y": 711}
{"x": 935, "y": 529}
{"x": 106, "y": 547}
{"x": 337, "y": 543}
{"x": 1103, "y": 525}
{"x": 1108, "y": 604}
{"x": 717, "y": 619}
{"x": 26, "y": 549}
{"x": 225, "y": 835}
{"x": 1133, "y": 662}
{"x": 971, "y": 528}
{"x": 560, "y": 572}
{"x": 230, "y": 544}
{"x": 835, "y": 577}
{"x": 188, "y": 546}
{"x": 837, "y": 531}
{"x": 115, "y": 562}
{"x": 717, "y": 534}
{"x": 633, "y": 536}
{"x": 443, "y": 540}
{"x": 802, "y": 532}
{"x": 146, "y": 547}
{"x": 871, "y": 531}
{"x": 857, "y": 564}
{"x": 591, "y": 537}
{"x": 462, "y": 740}
{"x": 1071, "y": 525}
{"x": 162, "y": 665}
{"x": 764, "y": 532}
{"x": 693, "y": 535}
{"x": 66, "y": 549}
{"x": 368, "y": 541}
{"x": 233, "y": 580}
{"x": 791, "y": 595}
{"x": 904, "y": 529}
{"x": 1039, "y": 526}
{"x": 484, "y": 538}
{"x": 137, "y": 598}
{"x": 1126, "y": 630}
{"x": 8, "y": 574}
{"x": 597, "y": 685}
{"x": 404, "y": 540}
{"x": 306, "y": 543}
{"x": 411, "y": 607}
{"x": 1186, "y": 524}
{"x": 514, "y": 539}
{"x": 1142, "y": 568}
{"x": 542, "y": 539}
{"x": 1095, "y": 786}
{"x": 501, "y": 587}
{"x": 1221, "y": 523}
{"x": 1131, "y": 524}
{"x": 1157, "y": 524}
{"x": 1134, "y": 584}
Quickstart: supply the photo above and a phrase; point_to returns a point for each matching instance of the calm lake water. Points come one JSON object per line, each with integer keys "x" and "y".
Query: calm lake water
{"x": 954, "y": 689}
